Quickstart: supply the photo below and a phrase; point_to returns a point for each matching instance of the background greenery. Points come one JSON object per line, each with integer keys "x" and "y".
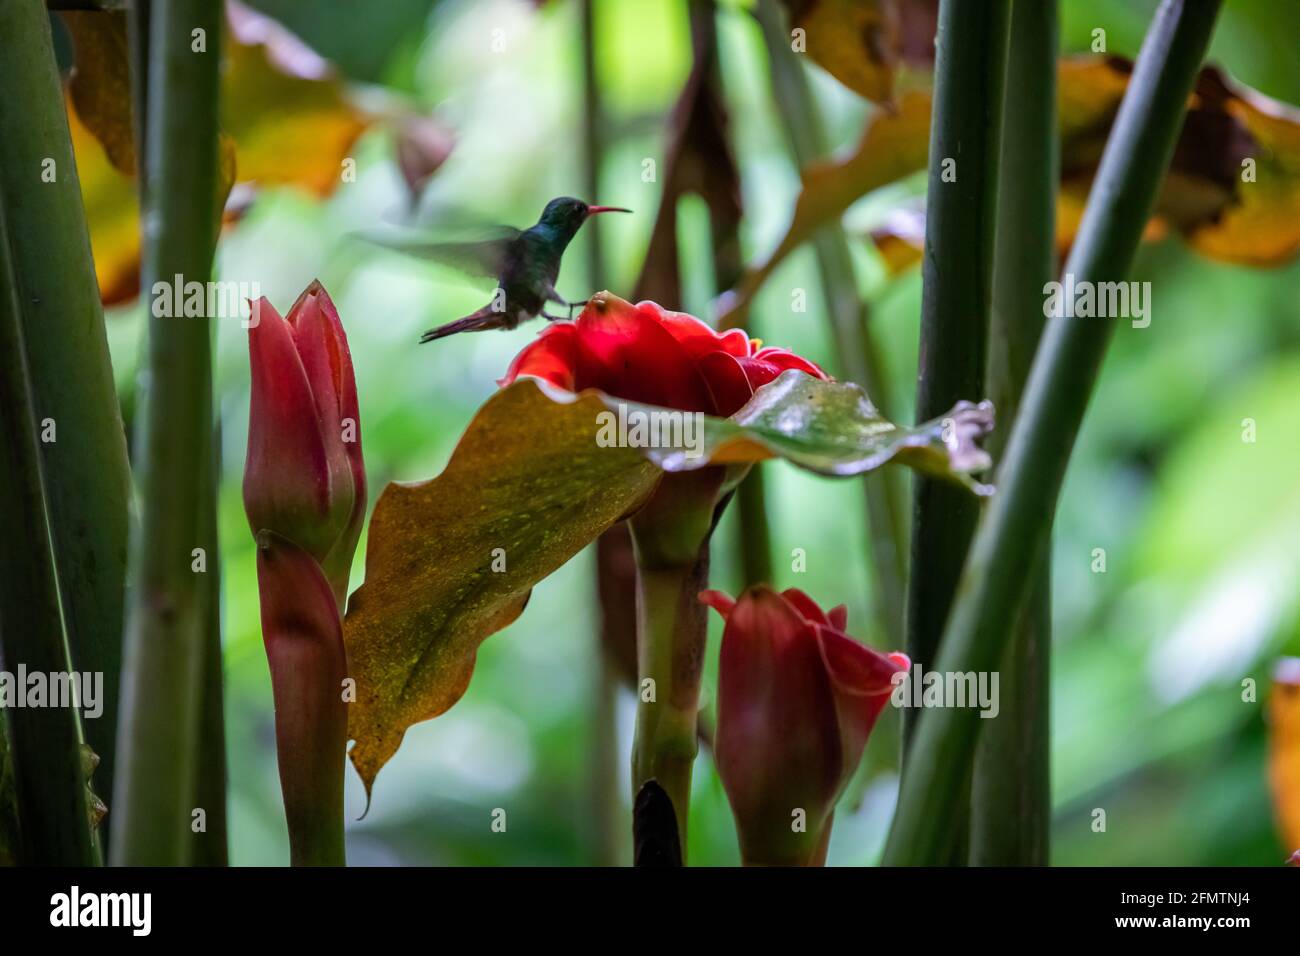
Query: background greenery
{"x": 1199, "y": 528}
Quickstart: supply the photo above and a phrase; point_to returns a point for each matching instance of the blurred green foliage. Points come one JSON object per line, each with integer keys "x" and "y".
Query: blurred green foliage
{"x": 1199, "y": 527}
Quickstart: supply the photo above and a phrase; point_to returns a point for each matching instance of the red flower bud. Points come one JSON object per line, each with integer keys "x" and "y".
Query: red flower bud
{"x": 797, "y": 698}
{"x": 644, "y": 353}
{"x": 304, "y": 478}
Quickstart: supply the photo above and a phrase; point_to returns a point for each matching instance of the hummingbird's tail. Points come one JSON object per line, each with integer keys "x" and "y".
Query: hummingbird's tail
{"x": 484, "y": 318}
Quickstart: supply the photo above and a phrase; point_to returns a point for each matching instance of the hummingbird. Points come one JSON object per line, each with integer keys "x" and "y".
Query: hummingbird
{"x": 524, "y": 262}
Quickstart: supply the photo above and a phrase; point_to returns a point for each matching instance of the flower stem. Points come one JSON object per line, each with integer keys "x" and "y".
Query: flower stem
{"x": 1010, "y": 790}
{"x": 1013, "y": 534}
{"x": 155, "y": 798}
{"x": 671, "y": 627}
{"x": 87, "y": 479}
{"x": 670, "y": 537}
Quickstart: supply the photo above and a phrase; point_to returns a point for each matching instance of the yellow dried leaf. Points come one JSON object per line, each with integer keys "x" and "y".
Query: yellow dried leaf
{"x": 1284, "y": 750}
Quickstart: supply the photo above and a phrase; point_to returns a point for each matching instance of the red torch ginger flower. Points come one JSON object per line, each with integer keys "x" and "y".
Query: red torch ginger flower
{"x": 304, "y": 478}
{"x": 797, "y": 698}
{"x": 644, "y": 353}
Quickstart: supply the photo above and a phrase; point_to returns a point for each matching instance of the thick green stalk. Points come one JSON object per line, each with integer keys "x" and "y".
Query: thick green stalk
{"x": 47, "y": 761}
{"x": 87, "y": 479}
{"x": 670, "y": 649}
{"x": 162, "y": 694}
{"x": 857, "y": 352}
{"x": 1013, "y": 535}
{"x": 211, "y": 847}
{"x": 957, "y": 283}
{"x": 670, "y": 537}
{"x": 1011, "y": 787}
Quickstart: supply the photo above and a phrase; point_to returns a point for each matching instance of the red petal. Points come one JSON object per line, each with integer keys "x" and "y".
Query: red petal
{"x": 626, "y": 352}
{"x": 862, "y": 680}
{"x": 728, "y": 387}
{"x": 784, "y": 359}
{"x": 719, "y": 601}
{"x": 806, "y": 606}
{"x": 286, "y": 474}
{"x": 771, "y": 362}
{"x": 552, "y": 357}
{"x": 697, "y": 336}
{"x": 838, "y": 616}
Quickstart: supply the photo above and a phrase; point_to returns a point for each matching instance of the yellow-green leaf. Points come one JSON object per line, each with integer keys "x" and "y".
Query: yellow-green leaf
{"x": 100, "y": 86}
{"x": 536, "y": 478}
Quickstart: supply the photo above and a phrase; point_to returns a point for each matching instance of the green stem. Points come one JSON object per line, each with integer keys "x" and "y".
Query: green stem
{"x": 755, "y": 538}
{"x": 957, "y": 281}
{"x": 157, "y": 787}
{"x": 48, "y": 773}
{"x": 850, "y": 329}
{"x": 1013, "y": 535}
{"x": 670, "y": 537}
{"x": 670, "y": 649}
{"x": 86, "y": 475}
{"x": 1011, "y": 792}
{"x": 211, "y": 847}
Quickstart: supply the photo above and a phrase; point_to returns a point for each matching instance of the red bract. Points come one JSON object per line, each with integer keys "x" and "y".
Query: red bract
{"x": 305, "y": 495}
{"x": 797, "y": 698}
{"x": 644, "y": 353}
{"x": 304, "y": 478}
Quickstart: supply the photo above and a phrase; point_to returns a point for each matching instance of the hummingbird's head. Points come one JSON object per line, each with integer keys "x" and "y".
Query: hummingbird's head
{"x": 566, "y": 215}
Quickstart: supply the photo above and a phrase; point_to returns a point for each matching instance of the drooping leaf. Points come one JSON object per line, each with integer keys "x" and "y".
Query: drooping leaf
{"x": 1206, "y": 196}
{"x": 893, "y": 145}
{"x": 452, "y": 560}
{"x": 285, "y": 119}
{"x": 527, "y": 478}
{"x": 100, "y": 86}
{"x": 862, "y": 43}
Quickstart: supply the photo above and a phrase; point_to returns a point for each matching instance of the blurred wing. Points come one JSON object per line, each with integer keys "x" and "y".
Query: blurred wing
{"x": 480, "y": 257}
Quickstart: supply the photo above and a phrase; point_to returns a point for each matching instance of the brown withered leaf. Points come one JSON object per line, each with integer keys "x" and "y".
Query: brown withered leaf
{"x": 276, "y": 96}
{"x": 863, "y": 43}
{"x": 529, "y": 478}
{"x": 1203, "y": 197}
{"x": 893, "y": 145}
{"x": 1284, "y": 750}
{"x": 100, "y": 85}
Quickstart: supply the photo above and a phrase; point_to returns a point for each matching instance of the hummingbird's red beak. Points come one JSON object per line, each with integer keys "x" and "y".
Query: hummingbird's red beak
{"x": 592, "y": 210}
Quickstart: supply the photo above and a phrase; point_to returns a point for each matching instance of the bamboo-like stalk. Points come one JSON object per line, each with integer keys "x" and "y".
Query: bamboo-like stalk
{"x": 1010, "y": 787}
{"x": 159, "y": 734}
{"x": 957, "y": 283}
{"x": 1013, "y": 534}
{"x": 211, "y": 847}
{"x": 671, "y": 631}
{"x": 49, "y": 779}
{"x": 86, "y": 475}
{"x": 850, "y": 330}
